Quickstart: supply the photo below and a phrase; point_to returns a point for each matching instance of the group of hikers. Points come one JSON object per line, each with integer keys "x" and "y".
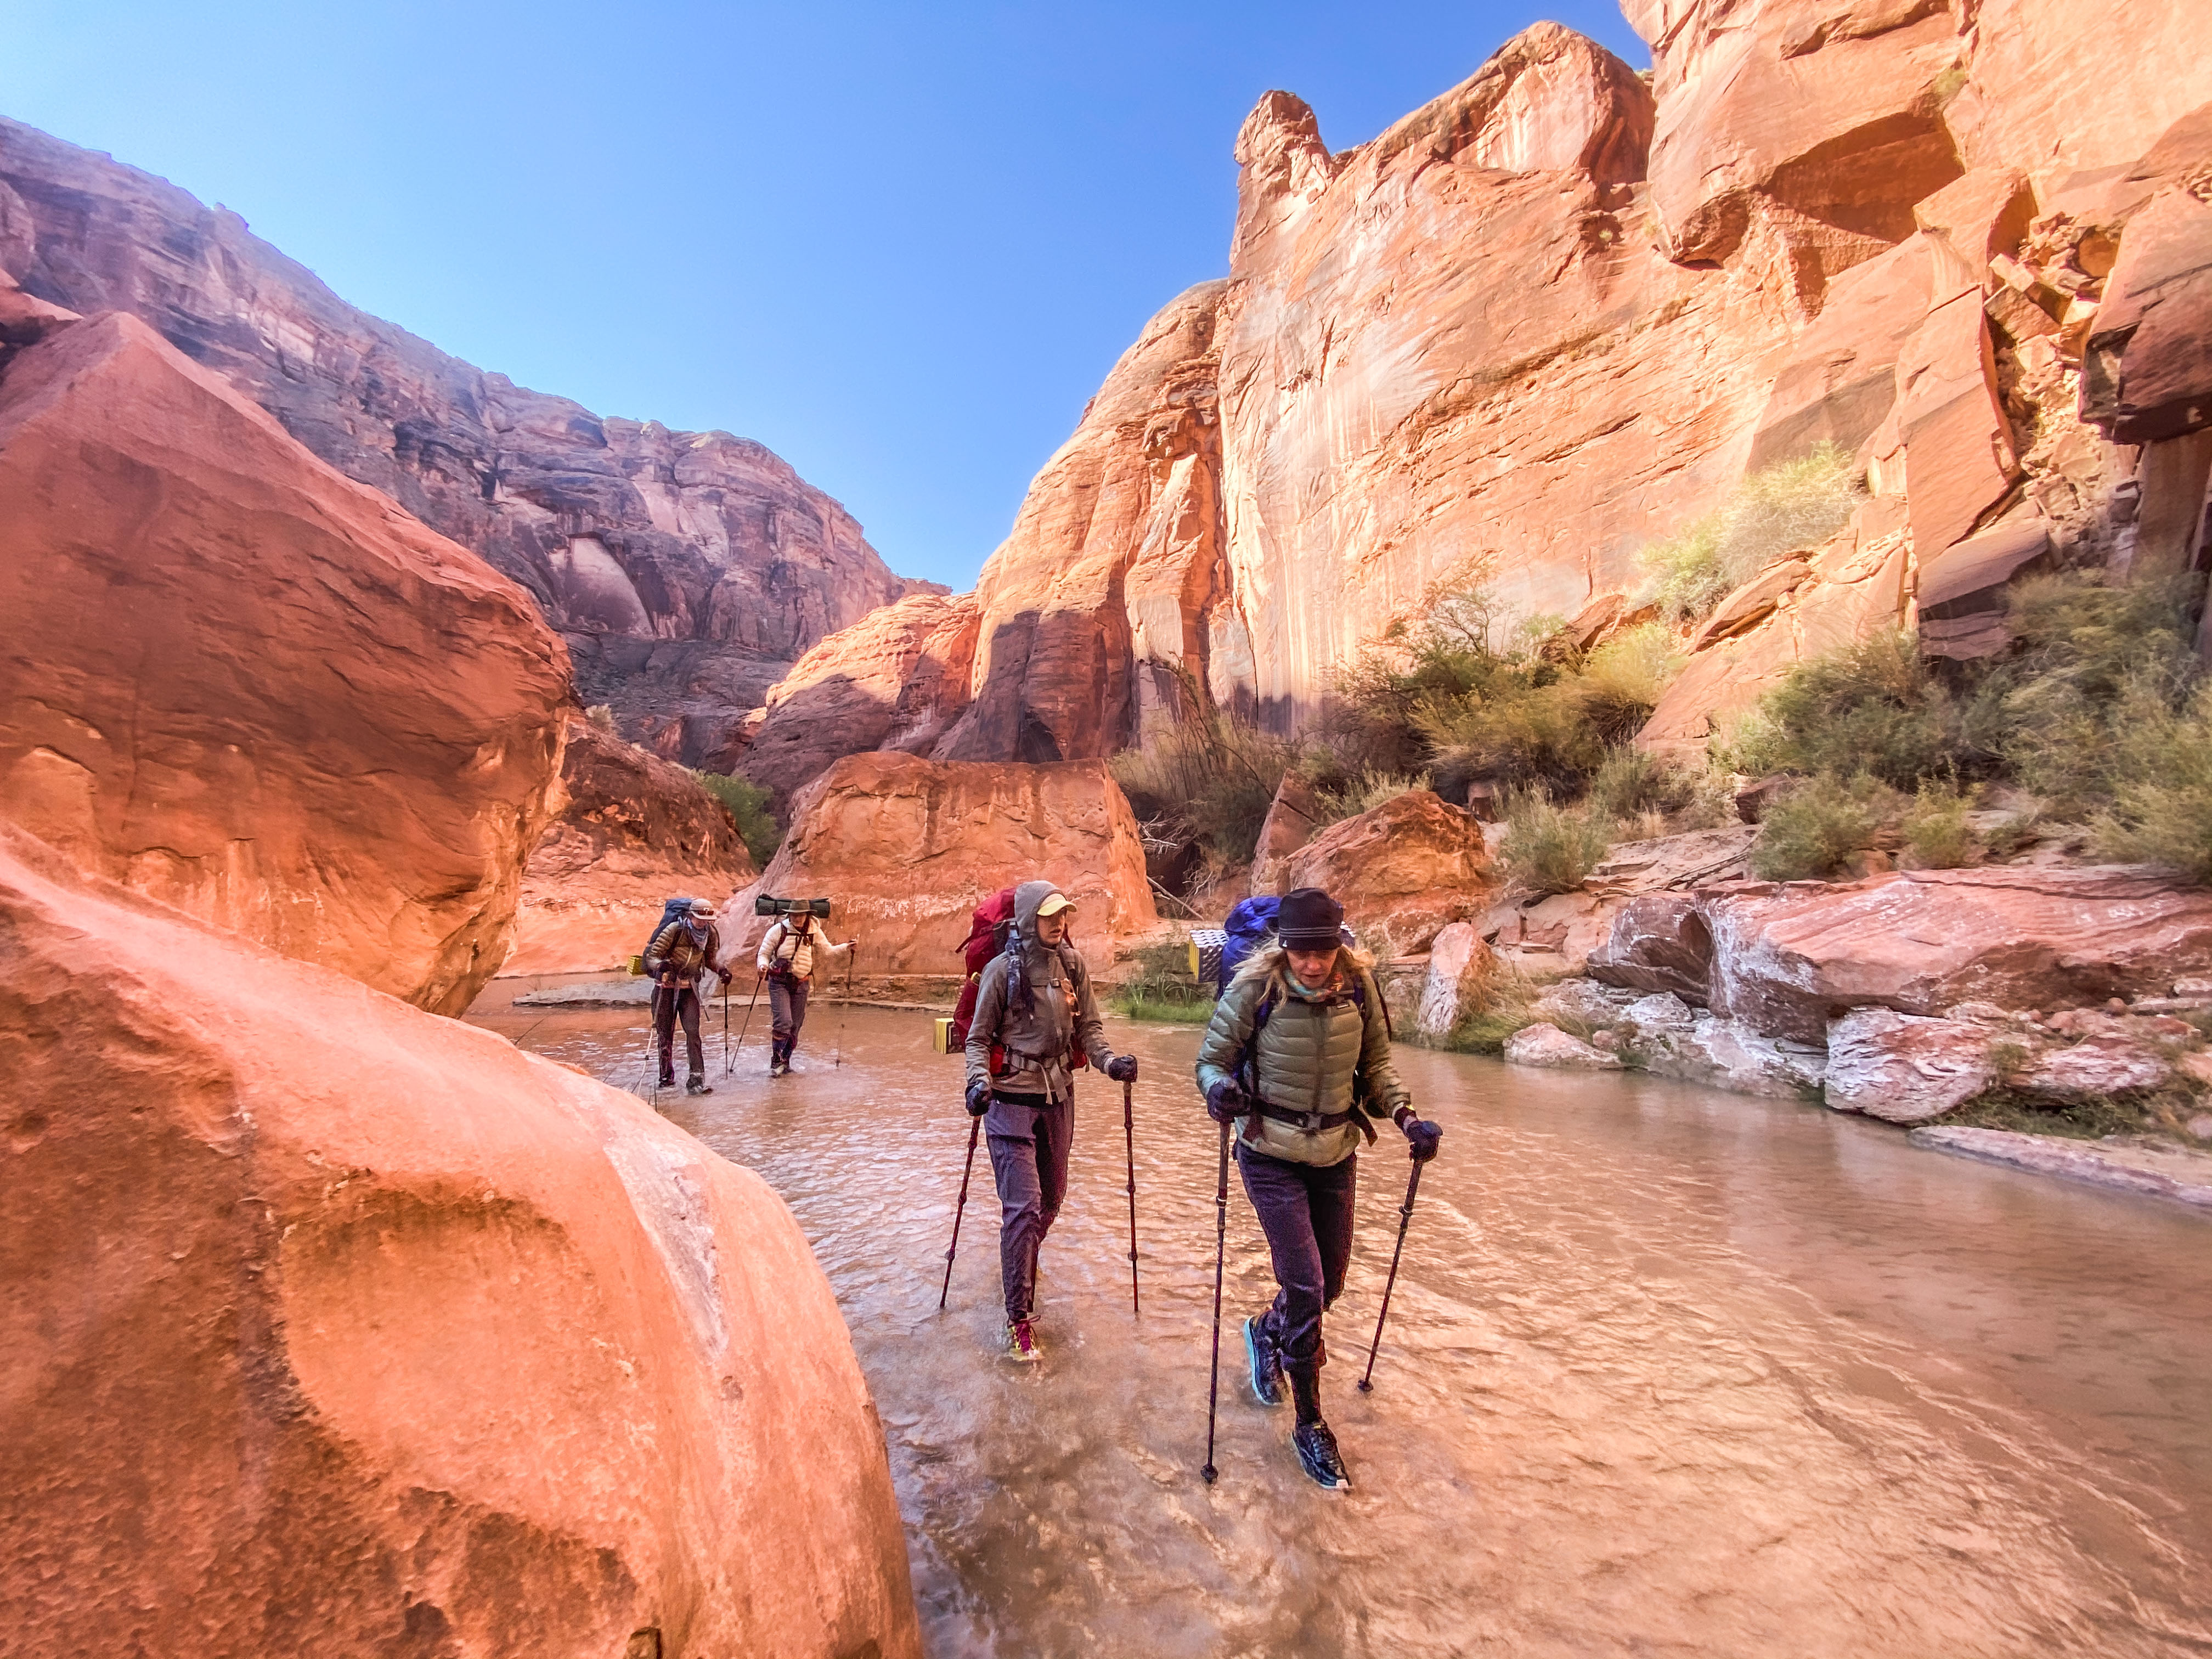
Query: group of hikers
{"x": 1295, "y": 1067}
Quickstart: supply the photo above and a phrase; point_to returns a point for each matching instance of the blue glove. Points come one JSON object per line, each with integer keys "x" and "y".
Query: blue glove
{"x": 1425, "y": 1136}
{"x": 1122, "y": 1068}
{"x": 1226, "y": 1100}
{"x": 979, "y": 1096}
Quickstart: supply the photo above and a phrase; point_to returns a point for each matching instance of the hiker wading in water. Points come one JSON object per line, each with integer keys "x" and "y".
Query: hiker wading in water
{"x": 788, "y": 951}
{"x": 1298, "y": 1058}
{"x": 686, "y": 947}
{"x": 1034, "y": 1011}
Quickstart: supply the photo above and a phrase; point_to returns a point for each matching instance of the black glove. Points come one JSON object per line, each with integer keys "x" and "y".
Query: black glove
{"x": 1226, "y": 1100}
{"x": 979, "y": 1096}
{"x": 1122, "y": 1068}
{"x": 1426, "y": 1136}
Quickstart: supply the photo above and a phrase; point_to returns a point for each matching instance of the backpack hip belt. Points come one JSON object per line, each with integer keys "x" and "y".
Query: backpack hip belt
{"x": 1311, "y": 1122}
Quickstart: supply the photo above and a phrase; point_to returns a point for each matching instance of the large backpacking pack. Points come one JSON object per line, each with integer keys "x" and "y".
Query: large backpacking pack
{"x": 989, "y": 928}
{"x": 1251, "y": 924}
{"x": 679, "y": 906}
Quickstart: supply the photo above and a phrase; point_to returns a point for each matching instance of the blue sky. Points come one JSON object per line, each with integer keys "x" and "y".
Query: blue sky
{"x": 900, "y": 244}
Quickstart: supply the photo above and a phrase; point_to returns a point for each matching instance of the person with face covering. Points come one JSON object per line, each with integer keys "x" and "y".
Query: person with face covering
{"x": 1298, "y": 1058}
{"x": 1034, "y": 1012}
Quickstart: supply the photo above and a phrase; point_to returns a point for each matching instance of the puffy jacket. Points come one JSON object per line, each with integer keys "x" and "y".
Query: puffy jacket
{"x": 1038, "y": 1044}
{"x": 679, "y": 956}
{"x": 1309, "y": 1055}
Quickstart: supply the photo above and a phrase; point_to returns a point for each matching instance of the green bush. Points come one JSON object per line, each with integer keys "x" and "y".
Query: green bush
{"x": 1935, "y": 829}
{"x": 1162, "y": 986}
{"x": 2161, "y": 811}
{"x": 1552, "y": 847}
{"x": 1632, "y": 781}
{"x": 1873, "y": 707}
{"x": 1806, "y": 835}
{"x": 1776, "y": 511}
{"x": 747, "y": 802}
{"x": 1622, "y": 681}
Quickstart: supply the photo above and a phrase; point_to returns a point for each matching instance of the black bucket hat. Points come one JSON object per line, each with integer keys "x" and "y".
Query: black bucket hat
{"x": 1310, "y": 919}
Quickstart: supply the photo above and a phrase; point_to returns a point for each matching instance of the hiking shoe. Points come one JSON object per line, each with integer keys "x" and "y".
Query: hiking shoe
{"x": 1022, "y": 1343}
{"x": 698, "y": 1085}
{"x": 1319, "y": 1457}
{"x": 1266, "y": 1365}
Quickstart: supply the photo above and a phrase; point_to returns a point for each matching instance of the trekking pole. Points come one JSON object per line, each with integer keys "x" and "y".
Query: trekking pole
{"x": 974, "y": 1128}
{"x": 726, "y": 1025}
{"x": 729, "y": 1058}
{"x": 1405, "y": 1219}
{"x": 852, "y": 961}
{"x": 1129, "y": 1139}
{"x": 1220, "y": 1255}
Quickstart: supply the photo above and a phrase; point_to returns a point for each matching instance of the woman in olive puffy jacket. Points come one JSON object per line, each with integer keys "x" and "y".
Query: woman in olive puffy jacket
{"x": 1298, "y": 1059}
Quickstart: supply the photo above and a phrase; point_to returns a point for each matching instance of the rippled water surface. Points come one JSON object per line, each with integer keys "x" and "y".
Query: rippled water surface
{"x": 1667, "y": 1372}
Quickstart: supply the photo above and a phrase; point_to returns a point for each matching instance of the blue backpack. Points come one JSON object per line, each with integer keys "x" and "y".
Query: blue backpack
{"x": 1250, "y": 926}
{"x": 680, "y": 906}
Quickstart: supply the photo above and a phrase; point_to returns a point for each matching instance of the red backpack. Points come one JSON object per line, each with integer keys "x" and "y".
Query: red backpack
{"x": 993, "y": 918}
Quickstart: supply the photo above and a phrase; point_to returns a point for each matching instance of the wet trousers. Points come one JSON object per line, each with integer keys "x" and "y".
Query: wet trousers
{"x": 786, "y": 1007}
{"x": 1305, "y": 1210}
{"x": 669, "y": 1002}
{"x": 1029, "y": 1162}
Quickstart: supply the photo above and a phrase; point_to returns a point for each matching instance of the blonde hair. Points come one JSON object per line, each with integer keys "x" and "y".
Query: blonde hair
{"x": 1273, "y": 962}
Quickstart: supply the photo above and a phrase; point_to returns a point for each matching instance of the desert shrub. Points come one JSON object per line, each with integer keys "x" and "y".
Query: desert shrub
{"x": 1807, "y": 835}
{"x": 601, "y": 715}
{"x": 1622, "y": 680}
{"x": 747, "y": 802}
{"x": 1161, "y": 988}
{"x": 1935, "y": 828}
{"x": 1632, "y": 781}
{"x": 1207, "y": 782}
{"x": 2161, "y": 811}
{"x": 1774, "y": 511}
{"x": 1873, "y": 707}
{"x": 2092, "y": 658}
{"x": 1365, "y": 794}
{"x": 1530, "y": 734}
{"x": 1549, "y": 847}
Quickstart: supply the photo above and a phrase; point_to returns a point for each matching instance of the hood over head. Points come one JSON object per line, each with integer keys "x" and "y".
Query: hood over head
{"x": 1029, "y": 899}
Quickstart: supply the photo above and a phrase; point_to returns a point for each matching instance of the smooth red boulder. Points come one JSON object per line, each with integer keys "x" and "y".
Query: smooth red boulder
{"x": 1789, "y": 957}
{"x": 905, "y": 848}
{"x": 895, "y": 680}
{"x": 629, "y": 831}
{"x": 238, "y": 682}
{"x": 333, "y": 1327}
{"x": 1403, "y": 871}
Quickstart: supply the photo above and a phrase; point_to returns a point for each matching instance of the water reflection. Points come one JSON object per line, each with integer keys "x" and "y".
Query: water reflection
{"x": 1667, "y": 1372}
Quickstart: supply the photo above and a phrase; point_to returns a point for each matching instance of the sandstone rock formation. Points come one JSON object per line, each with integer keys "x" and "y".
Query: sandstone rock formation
{"x": 334, "y": 1327}
{"x": 686, "y": 568}
{"x": 238, "y": 682}
{"x": 1786, "y": 959}
{"x": 1543, "y": 1044}
{"x": 905, "y": 849}
{"x": 1486, "y": 341}
{"x": 1460, "y": 969}
{"x": 1402, "y": 871}
{"x": 894, "y": 680}
{"x": 629, "y": 831}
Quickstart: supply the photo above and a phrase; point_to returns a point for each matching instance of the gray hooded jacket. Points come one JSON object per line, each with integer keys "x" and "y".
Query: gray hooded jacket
{"x": 1039, "y": 1042}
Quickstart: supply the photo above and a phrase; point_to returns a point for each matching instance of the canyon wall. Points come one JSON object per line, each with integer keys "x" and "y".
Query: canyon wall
{"x": 1556, "y": 314}
{"x": 238, "y": 682}
{"x": 687, "y": 570}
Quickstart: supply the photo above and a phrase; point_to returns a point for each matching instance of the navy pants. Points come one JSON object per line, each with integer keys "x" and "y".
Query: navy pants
{"x": 1029, "y": 1163}
{"x": 1305, "y": 1210}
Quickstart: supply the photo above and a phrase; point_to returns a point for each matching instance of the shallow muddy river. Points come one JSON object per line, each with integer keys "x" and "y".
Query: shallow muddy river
{"x": 1667, "y": 1372}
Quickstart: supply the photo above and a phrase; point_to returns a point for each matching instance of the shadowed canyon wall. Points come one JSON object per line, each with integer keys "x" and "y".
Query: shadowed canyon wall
{"x": 1555, "y": 315}
{"x": 686, "y": 570}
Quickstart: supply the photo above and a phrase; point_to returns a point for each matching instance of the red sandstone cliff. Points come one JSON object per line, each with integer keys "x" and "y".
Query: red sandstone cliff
{"x": 687, "y": 570}
{"x": 1550, "y": 317}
